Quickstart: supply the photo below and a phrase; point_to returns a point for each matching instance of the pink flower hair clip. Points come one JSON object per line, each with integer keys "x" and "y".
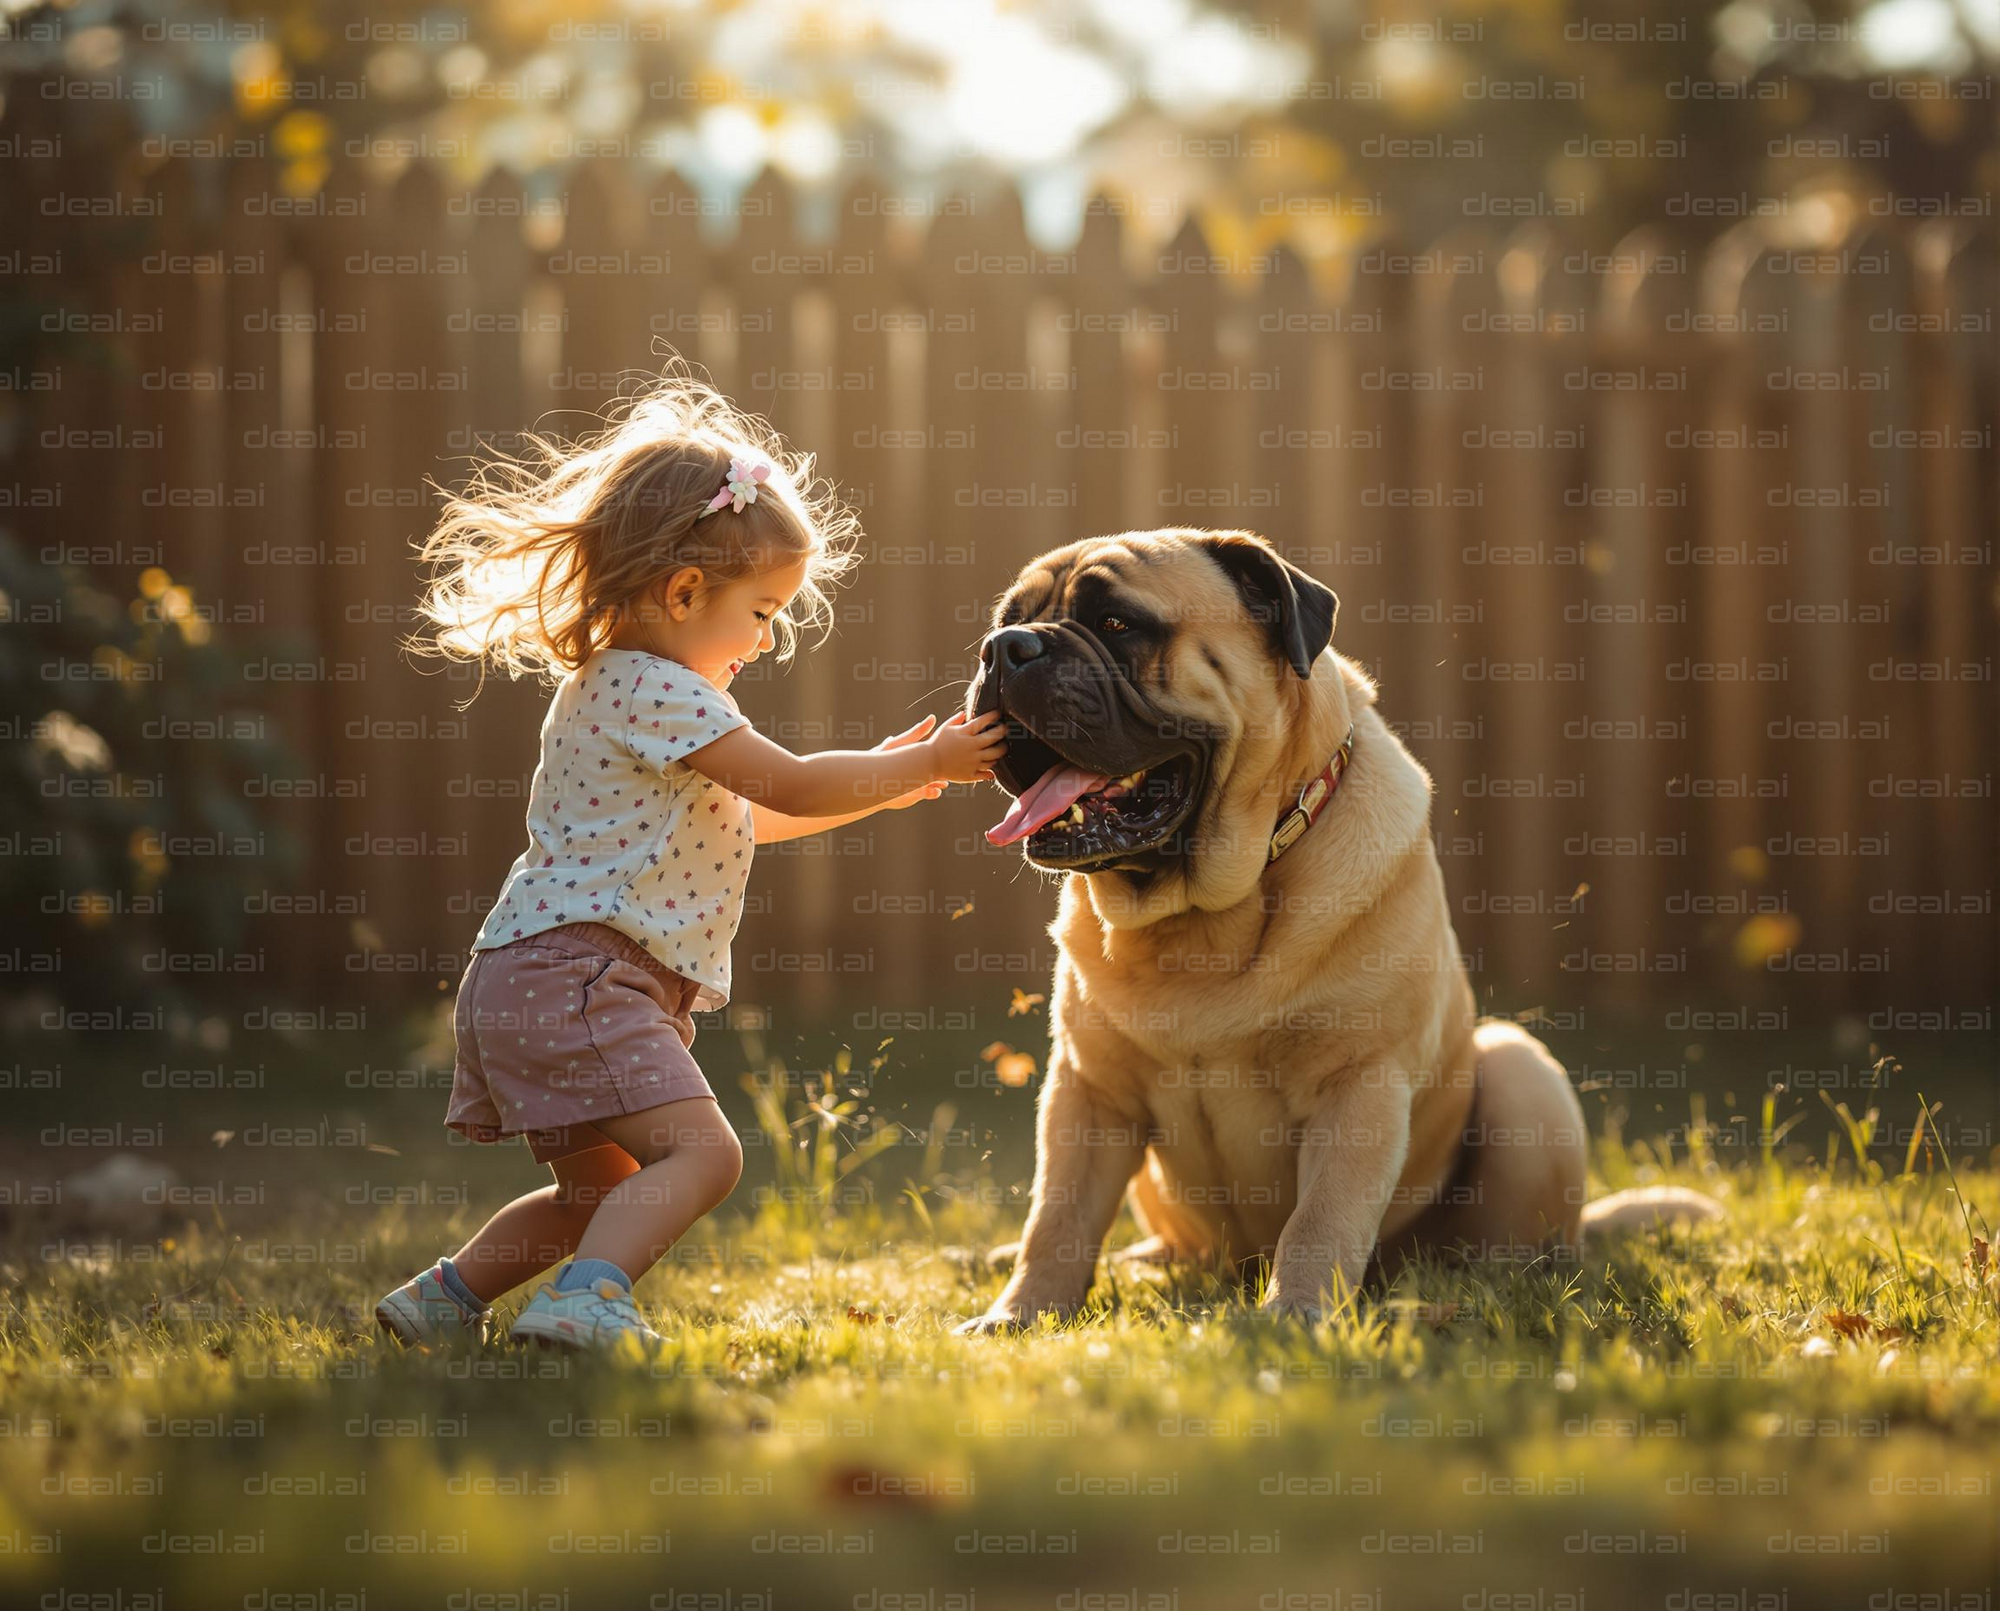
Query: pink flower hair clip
{"x": 741, "y": 487}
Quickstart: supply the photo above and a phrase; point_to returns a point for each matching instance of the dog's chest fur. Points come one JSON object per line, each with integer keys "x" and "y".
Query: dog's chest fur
{"x": 1225, "y": 1029}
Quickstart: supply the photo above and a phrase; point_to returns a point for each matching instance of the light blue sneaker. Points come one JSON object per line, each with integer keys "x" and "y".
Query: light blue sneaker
{"x": 601, "y": 1315}
{"x": 422, "y": 1311}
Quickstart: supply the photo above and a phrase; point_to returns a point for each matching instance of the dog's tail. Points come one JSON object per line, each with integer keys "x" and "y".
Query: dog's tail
{"x": 1641, "y": 1206}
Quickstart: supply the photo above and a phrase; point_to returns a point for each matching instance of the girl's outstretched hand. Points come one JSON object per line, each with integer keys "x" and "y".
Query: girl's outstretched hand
{"x": 909, "y": 736}
{"x": 965, "y": 748}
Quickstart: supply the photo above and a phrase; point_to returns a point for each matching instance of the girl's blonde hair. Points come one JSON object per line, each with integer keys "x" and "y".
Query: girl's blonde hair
{"x": 534, "y": 564}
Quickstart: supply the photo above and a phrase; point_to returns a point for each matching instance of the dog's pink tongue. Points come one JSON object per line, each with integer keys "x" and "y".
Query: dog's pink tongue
{"x": 1047, "y": 798}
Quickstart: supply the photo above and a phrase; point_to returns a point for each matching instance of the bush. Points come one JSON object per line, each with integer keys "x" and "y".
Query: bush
{"x": 125, "y": 736}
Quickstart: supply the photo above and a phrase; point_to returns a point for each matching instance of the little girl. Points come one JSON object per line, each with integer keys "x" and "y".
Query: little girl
{"x": 640, "y": 571}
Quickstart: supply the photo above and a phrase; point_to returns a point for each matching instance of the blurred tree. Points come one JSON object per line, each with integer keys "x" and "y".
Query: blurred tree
{"x": 1625, "y": 112}
{"x": 1312, "y": 122}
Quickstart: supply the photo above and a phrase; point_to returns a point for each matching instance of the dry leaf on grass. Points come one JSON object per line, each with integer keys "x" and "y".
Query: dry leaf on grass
{"x": 1856, "y": 1326}
{"x": 863, "y": 1485}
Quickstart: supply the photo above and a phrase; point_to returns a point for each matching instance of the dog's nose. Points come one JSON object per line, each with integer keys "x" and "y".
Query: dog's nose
{"x": 1011, "y": 648}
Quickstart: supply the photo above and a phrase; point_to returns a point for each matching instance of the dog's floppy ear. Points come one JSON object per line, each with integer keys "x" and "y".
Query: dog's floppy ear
{"x": 1298, "y": 609}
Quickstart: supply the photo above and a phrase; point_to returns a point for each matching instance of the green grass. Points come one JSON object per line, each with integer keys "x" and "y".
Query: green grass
{"x": 1800, "y": 1400}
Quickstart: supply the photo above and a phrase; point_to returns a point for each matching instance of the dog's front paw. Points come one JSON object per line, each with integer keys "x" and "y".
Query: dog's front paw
{"x": 1284, "y": 1306}
{"x": 1013, "y": 1311}
{"x": 997, "y": 1323}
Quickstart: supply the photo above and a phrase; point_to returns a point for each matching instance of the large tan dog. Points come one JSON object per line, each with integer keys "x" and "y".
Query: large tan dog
{"x": 1261, "y": 1030}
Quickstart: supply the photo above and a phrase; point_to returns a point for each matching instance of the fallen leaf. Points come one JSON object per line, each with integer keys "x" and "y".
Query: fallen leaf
{"x": 866, "y": 1486}
{"x": 1848, "y": 1323}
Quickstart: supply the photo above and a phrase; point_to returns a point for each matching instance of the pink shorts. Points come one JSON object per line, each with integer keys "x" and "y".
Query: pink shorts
{"x": 564, "y": 1027}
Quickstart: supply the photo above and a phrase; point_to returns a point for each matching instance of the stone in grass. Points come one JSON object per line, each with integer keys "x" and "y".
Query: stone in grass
{"x": 124, "y": 1193}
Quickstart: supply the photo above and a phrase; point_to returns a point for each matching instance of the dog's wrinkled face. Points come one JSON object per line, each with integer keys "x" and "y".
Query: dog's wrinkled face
{"x": 1141, "y": 677}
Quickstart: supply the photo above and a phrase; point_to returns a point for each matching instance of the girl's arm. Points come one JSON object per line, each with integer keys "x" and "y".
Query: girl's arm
{"x": 774, "y": 826}
{"x": 848, "y": 783}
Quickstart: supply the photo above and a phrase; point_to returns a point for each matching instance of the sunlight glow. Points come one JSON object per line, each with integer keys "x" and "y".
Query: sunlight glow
{"x": 1214, "y": 64}
{"x": 806, "y": 146}
{"x": 1910, "y": 34}
{"x": 957, "y": 80}
{"x": 1982, "y": 19}
{"x": 1020, "y": 98}
{"x": 731, "y": 143}
{"x": 1140, "y": 22}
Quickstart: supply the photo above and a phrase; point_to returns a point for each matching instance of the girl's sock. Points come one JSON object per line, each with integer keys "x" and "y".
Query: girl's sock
{"x": 580, "y": 1273}
{"x": 454, "y": 1284}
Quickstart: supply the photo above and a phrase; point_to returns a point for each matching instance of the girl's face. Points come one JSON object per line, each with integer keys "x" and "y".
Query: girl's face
{"x": 723, "y": 627}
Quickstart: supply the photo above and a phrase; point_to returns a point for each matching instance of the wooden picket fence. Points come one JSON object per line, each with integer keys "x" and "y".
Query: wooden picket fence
{"x": 1675, "y": 561}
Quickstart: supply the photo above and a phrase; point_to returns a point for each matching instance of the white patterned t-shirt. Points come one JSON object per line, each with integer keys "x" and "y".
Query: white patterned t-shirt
{"x": 622, "y": 831}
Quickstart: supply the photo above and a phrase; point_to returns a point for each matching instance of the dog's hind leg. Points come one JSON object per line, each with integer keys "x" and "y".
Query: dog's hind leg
{"x": 1521, "y": 1188}
{"x": 1153, "y": 1250}
{"x": 1173, "y": 1234}
{"x": 1535, "y": 1149}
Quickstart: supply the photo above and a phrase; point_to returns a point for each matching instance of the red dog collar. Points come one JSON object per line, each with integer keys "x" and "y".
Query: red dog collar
{"x": 1312, "y": 801}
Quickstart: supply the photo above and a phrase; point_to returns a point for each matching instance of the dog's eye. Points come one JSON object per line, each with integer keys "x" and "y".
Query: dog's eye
{"x": 1111, "y": 623}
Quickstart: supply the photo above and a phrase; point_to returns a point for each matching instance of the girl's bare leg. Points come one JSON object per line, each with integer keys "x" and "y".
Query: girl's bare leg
{"x": 692, "y": 1162}
{"x": 543, "y": 1228}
